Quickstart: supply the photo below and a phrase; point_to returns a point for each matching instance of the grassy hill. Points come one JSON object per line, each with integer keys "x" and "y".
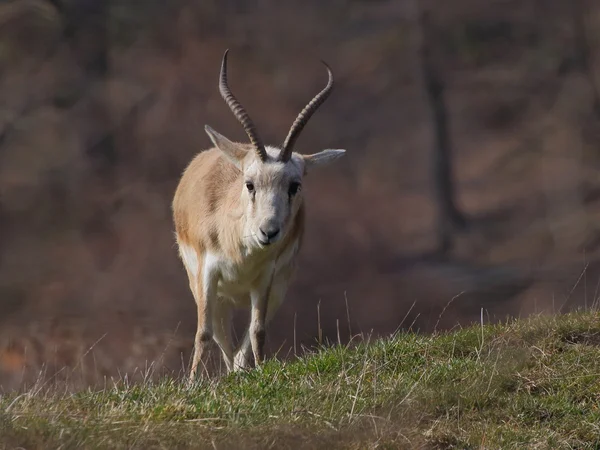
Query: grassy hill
{"x": 525, "y": 384}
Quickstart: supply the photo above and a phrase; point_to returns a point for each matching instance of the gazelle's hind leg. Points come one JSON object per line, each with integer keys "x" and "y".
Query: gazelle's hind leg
{"x": 203, "y": 284}
{"x": 204, "y": 331}
{"x": 222, "y": 330}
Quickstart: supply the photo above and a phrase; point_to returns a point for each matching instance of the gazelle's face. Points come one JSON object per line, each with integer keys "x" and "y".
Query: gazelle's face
{"x": 272, "y": 195}
{"x": 271, "y": 191}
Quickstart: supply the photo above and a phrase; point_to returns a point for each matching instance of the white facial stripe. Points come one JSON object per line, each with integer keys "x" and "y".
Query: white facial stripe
{"x": 273, "y": 170}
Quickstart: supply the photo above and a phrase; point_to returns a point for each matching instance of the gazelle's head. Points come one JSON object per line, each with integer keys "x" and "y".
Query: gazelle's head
{"x": 271, "y": 182}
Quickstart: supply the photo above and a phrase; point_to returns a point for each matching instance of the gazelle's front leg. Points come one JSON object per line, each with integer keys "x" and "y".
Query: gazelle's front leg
{"x": 222, "y": 330}
{"x": 244, "y": 353}
{"x": 206, "y": 296}
{"x": 257, "y": 327}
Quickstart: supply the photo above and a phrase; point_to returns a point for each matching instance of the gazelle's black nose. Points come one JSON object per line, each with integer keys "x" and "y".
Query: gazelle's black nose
{"x": 268, "y": 234}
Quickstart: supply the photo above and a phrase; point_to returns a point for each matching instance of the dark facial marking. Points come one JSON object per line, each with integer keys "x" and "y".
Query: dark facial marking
{"x": 294, "y": 188}
{"x": 251, "y": 190}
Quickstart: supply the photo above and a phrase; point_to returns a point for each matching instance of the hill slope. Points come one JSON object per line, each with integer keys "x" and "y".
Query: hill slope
{"x": 530, "y": 383}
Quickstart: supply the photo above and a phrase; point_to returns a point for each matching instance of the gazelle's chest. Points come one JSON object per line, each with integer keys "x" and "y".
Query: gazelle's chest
{"x": 237, "y": 278}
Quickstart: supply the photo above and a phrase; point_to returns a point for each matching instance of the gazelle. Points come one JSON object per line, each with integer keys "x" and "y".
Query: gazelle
{"x": 239, "y": 220}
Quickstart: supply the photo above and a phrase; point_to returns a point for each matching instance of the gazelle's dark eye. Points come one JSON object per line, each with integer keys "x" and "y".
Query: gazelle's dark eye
{"x": 250, "y": 186}
{"x": 294, "y": 188}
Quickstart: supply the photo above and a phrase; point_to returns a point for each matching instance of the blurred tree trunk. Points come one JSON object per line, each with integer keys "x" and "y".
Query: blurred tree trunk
{"x": 85, "y": 28}
{"x": 449, "y": 218}
{"x": 86, "y": 32}
{"x": 583, "y": 52}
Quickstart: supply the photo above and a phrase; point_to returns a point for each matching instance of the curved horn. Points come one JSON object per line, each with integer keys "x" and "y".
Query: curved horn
{"x": 304, "y": 117}
{"x": 239, "y": 112}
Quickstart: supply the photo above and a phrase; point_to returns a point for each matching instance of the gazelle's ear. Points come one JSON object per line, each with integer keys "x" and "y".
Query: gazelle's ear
{"x": 322, "y": 158}
{"x": 234, "y": 152}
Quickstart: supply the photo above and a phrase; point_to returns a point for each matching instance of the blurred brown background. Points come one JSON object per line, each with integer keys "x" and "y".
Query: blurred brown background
{"x": 103, "y": 104}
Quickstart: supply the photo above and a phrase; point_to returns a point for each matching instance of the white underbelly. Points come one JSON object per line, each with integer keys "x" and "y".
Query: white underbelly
{"x": 238, "y": 281}
{"x": 233, "y": 291}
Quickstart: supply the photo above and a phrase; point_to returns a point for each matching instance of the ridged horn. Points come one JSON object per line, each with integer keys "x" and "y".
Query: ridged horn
{"x": 240, "y": 112}
{"x": 304, "y": 117}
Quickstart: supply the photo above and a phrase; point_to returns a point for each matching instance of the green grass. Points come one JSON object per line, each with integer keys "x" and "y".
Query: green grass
{"x": 527, "y": 384}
